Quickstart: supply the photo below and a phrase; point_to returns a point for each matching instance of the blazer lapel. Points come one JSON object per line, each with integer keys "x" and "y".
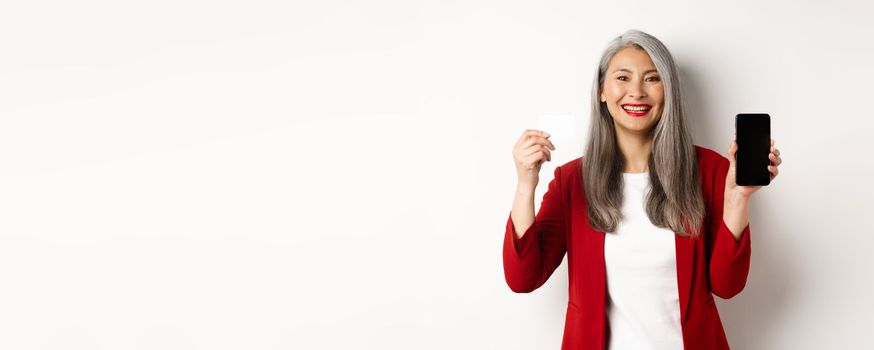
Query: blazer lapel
{"x": 595, "y": 246}
{"x": 685, "y": 266}
{"x": 600, "y": 266}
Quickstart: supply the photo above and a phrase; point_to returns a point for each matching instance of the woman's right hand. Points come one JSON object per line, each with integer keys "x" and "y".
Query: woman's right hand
{"x": 531, "y": 150}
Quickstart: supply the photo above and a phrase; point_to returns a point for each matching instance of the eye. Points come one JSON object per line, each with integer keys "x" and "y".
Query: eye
{"x": 621, "y": 77}
{"x": 654, "y": 78}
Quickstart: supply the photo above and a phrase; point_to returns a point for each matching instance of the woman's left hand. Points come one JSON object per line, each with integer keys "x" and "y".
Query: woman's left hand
{"x": 732, "y": 188}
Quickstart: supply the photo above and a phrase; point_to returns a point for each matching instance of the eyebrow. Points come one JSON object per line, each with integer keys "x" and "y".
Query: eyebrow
{"x": 629, "y": 71}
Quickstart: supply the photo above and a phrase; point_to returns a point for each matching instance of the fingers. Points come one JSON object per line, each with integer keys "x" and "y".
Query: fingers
{"x": 537, "y": 144}
{"x": 534, "y": 149}
{"x": 542, "y": 156}
{"x": 775, "y": 160}
{"x": 531, "y": 132}
{"x": 774, "y": 149}
{"x": 536, "y": 140}
{"x": 534, "y": 160}
{"x": 538, "y": 149}
{"x": 775, "y": 155}
{"x": 732, "y": 149}
{"x": 774, "y": 170}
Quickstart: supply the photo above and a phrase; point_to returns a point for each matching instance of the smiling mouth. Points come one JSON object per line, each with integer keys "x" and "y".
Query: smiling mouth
{"x": 636, "y": 110}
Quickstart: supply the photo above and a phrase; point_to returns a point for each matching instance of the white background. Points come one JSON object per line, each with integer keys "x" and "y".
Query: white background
{"x": 338, "y": 175}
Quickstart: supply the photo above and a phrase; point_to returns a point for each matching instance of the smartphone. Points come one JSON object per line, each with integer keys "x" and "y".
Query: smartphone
{"x": 752, "y": 131}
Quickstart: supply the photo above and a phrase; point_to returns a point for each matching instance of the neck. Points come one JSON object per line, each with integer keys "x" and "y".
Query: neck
{"x": 636, "y": 149}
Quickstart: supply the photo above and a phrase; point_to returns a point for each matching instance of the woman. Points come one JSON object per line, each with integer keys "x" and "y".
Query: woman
{"x": 652, "y": 224}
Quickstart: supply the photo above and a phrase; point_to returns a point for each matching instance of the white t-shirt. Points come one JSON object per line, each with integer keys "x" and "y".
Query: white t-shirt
{"x": 643, "y": 305}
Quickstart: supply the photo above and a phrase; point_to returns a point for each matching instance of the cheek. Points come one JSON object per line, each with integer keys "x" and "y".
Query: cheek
{"x": 658, "y": 94}
{"x": 613, "y": 92}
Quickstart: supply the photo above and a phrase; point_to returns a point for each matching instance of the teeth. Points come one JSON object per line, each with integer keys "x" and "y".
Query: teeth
{"x": 630, "y": 108}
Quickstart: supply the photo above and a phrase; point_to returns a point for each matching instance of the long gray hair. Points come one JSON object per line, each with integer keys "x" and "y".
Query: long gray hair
{"x": 674, "y": 200}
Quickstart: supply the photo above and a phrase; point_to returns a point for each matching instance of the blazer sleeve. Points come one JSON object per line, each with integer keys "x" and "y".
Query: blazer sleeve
{"x": 530, "y": 260}
{"x": 729, "y": 257}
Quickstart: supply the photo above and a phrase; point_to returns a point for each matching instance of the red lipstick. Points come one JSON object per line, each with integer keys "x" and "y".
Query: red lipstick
{"x": 636, "y": 109}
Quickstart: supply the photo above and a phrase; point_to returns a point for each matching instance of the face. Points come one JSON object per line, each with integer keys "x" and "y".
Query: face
{"x": 633, "y": 91}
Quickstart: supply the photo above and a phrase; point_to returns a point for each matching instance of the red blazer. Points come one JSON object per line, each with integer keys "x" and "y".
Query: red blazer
{"x": 715, "y": 264}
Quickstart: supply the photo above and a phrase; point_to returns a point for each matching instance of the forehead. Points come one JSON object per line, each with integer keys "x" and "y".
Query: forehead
{"x": 632, "y": 59}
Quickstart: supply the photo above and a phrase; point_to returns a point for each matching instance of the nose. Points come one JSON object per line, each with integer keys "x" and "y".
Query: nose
{"x": 636, "y": 90}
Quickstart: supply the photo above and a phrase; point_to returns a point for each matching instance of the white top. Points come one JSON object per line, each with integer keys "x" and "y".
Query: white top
{"x": 643, "y": 305}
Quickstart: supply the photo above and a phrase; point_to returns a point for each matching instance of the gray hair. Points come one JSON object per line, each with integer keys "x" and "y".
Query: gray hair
{"x": 674, "y": 200}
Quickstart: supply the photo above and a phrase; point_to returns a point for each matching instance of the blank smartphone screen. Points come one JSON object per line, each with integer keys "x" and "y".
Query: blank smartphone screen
{"x": 753, "y": 135}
